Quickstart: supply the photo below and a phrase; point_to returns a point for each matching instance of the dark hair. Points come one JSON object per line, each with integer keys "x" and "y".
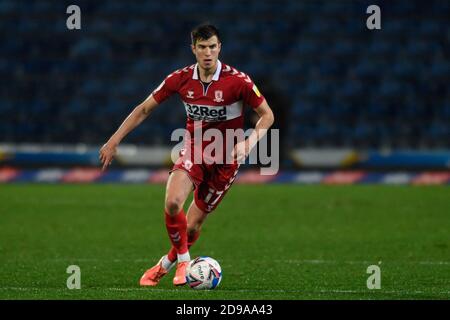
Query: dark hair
{"x": 204, "y": 32}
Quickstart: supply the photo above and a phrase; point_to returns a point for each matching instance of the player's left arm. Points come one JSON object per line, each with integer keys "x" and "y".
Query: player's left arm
{"x": 265, "y": 121}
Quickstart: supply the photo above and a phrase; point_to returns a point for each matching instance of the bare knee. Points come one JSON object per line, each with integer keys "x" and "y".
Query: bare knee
{"x": 178, "y": 188}
{"x": 173, "y": 205}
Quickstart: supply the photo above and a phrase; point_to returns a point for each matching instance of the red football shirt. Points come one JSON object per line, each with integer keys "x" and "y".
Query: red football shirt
{"x": 218, "y": 104}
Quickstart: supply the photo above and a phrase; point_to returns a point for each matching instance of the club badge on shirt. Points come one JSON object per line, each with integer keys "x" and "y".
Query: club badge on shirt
{"x": 219, "y": 96}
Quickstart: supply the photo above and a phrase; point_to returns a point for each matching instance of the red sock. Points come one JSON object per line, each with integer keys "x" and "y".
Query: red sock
{"x": 176, "y": 228}
{"x": 172, "y": 255}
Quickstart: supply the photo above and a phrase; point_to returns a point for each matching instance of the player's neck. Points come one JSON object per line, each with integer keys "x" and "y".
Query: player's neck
{"x": 206, "y": 75}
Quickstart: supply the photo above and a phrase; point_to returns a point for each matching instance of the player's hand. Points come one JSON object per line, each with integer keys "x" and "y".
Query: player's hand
{"x": 240, "y": 151}
{"x": 107, "y": 153}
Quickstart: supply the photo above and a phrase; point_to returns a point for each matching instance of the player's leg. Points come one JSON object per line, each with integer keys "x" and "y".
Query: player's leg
{"x": 179, "y": 185}
{"x": 195, "y": 218}
{"x": 207, "y": 196}
{"x": 178, "y": 188}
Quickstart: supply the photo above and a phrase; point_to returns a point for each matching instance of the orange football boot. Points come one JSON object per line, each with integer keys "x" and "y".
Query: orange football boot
{"x": 180, "y": 274}
{"x": 152, "y": 276}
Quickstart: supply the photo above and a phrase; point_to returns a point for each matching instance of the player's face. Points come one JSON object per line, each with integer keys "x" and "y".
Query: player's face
{"x": 207, "y": 52}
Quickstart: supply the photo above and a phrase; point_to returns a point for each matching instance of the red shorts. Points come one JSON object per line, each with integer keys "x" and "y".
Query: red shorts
{"x": 211, "y": 181}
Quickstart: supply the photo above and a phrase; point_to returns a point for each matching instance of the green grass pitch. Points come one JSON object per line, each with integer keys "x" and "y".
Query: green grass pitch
{"x": 272, "y": 241}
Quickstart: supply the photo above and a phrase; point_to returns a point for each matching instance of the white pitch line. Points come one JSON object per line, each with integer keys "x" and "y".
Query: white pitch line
{"x": 229, "y": 290}
{"x": 293, "y": 261}
{"x": 322, "y": 261}
{"x": 362, "y": 262}
{"x": 435, "y": 262}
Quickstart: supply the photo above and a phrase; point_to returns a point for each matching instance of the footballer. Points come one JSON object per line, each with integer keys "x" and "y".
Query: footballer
{"x": 214, "y": 95}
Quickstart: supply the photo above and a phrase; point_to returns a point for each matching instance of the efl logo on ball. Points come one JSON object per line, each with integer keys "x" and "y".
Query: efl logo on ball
{"x": 203, "y": 273}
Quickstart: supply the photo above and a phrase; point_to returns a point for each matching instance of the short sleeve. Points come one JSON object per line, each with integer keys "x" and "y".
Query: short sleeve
{"x": 251, "y": 94}
{"x": 167, "y": 88}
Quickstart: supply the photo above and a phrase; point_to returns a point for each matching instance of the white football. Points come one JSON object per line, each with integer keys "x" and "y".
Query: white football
{"x": 203, "y": 273}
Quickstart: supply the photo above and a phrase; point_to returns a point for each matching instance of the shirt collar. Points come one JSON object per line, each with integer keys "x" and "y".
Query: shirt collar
{"x": 216, "y": 74}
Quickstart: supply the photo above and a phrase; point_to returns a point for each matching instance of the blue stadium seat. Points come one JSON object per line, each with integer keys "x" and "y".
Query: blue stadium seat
{"x": 348, "y": 86}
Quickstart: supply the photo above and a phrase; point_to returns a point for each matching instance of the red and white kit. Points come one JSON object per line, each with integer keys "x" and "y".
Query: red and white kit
{"x": 218, "y": 104}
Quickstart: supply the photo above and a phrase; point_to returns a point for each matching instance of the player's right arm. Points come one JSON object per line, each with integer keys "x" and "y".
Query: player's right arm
{"x": 168, "y": 87}
{"x": 142, "y": 111}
